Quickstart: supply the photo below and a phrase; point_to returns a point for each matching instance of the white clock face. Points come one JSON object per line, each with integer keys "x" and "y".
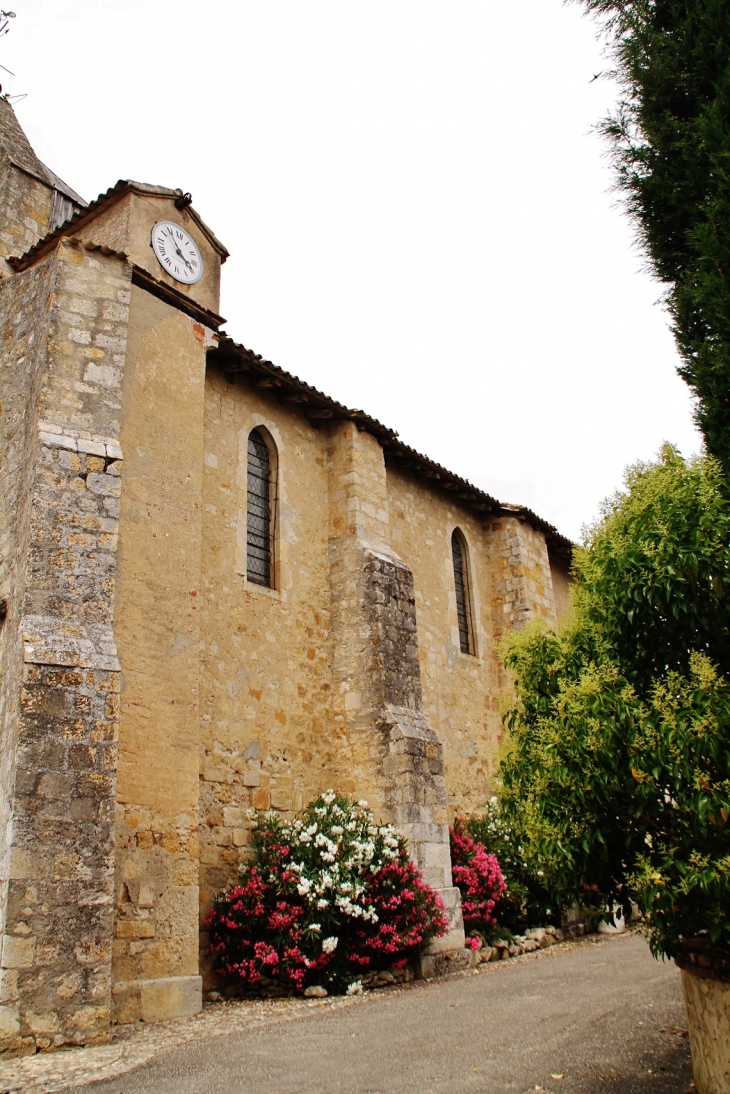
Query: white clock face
{"x": 176, "y": 252}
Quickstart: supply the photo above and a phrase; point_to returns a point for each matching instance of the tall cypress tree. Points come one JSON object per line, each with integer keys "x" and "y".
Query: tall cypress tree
{"x": 670, "y": 139}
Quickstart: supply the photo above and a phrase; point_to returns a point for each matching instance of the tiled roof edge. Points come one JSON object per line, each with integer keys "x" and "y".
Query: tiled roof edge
{"x": 124, "y": 186}
{"x": 318, "y": 407}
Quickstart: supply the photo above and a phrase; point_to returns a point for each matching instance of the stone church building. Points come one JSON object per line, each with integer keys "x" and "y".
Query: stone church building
{"x": 219, "y": 589}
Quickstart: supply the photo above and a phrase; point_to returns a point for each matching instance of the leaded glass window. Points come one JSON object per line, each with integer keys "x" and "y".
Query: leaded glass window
{"x": 463, "y": 599}
{"x": 258, "y": 512}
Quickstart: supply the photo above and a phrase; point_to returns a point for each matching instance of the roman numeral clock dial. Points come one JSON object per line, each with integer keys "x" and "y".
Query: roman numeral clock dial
{"x": 176, "y": 252}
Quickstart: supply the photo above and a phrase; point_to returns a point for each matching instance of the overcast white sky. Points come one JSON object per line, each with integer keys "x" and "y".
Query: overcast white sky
{"x": 418, "y": 213}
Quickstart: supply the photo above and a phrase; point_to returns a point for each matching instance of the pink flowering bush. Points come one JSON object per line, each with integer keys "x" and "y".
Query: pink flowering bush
{"x": 325, "y": 899}
{"x": 479, "y": 878}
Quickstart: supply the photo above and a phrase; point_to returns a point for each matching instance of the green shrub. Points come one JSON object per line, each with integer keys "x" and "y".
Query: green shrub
{"x": 324, "y": 899}
{"x": 617, "y": 777}
{"x": 526, "y": 901}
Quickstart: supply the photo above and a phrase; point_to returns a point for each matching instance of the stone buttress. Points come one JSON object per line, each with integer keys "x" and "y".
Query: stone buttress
{"x": 397, "y": 756}
{"x": 67, "y": 320}
{"x": 99, "y": 771}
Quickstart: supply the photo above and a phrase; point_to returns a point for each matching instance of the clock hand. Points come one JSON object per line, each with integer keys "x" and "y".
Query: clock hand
{"x": 182, "y": 256}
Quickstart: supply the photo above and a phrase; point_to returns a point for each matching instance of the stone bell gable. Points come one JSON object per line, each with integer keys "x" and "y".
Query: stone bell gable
{"x": 219, "y": 589}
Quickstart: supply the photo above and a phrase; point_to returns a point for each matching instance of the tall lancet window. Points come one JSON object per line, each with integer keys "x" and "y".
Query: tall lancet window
{"x": 259, "y": 512}
{"x": 463, "y": 597}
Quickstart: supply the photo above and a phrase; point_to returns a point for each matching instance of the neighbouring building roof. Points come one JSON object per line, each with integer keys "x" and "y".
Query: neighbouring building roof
{"x": 318, "y": 407}
{"x": 17, "y": 148}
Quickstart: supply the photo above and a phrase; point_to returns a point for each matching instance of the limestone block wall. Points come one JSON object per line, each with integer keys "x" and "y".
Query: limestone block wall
{"x": 157, "y": 628}
{"x": 523, "y": 584}
{"x": 25, "y": 207}
{"x": 267, "y": 736}
{"x": 24, "y": 308}
{"x": 314, "y": 683}
{"x": 56, "y": 955}
{"x": 460, "y": 691}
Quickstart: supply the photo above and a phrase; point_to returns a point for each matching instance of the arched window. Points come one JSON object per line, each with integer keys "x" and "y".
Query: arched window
{"x": 259, "y": 512}
{"x": 463, "y": 598}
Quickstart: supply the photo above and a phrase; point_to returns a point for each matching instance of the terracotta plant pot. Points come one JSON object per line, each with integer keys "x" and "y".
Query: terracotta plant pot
{"x": 706, "y": 987}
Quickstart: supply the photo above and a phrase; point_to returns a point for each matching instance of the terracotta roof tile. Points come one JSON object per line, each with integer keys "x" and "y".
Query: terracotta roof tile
{"x": 113, "y": 194}
{"x": 319, "y": 407}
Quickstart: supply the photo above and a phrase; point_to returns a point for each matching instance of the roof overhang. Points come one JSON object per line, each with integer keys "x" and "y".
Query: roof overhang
{"x": 319, "y": 408}
{"x": 84, "y": 217}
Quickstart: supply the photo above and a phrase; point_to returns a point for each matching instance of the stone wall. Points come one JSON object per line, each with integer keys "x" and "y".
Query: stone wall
{"x": 157, "y": 627}
{"x": 23, "y": 320}
{"x": 25, "y": 191}
{"x": 396, "y": 755}
{"x": 561, "y": 582}
{"x": 522, "y": 580}
{"x": 56, "y": 956}
{"x": 162, "y": 694}
{"x": 25, "y": 206}
{"x": 314, "y": 683}
{"x": 267, "y": 735}
{"x": 460, "y": 691}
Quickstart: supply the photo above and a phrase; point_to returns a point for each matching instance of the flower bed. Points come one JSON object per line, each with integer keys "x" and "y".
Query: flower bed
{"x": 479, "y": 878}
{"x": 525, "y": 900}
{"x": 325, "y": 900}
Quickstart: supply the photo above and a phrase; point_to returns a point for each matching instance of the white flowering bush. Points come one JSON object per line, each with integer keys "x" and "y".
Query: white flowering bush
{"x": 326, "y": 898}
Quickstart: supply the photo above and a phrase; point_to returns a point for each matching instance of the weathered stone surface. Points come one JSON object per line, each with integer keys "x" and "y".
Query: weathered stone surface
{"x": 170, "y": 997}
{"x": 315, "y": 992}
{"x": 522, "y": 577}
{"x": 376, "y": 663}
{"x": 707, "y": 1001}
{"x": 150, "y": 695}
{"x": 60, "y": 895}
{"x": 23, "y": 322}
{"x": 30, "y": 194}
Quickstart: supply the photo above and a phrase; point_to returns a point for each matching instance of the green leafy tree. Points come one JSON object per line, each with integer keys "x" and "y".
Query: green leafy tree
{"x": 617, "y": 777}
{"x": 525, "y": 902}
{"x": 670, "y": 138}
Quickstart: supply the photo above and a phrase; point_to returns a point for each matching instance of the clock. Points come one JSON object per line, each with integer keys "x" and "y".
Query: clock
{"x": 176, "y": 252}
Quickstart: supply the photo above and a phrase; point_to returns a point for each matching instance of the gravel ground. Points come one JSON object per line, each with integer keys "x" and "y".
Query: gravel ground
{"x": 592, "y": 1016}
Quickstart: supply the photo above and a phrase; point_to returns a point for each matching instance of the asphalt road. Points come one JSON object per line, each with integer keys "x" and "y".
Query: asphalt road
{"x": 606, "y": 1017}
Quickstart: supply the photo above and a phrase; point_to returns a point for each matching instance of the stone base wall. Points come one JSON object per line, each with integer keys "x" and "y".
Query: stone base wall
{"x": 24, "y": 306}
{"x": 155, "y": 926}
{"x": 56, "y": 953}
